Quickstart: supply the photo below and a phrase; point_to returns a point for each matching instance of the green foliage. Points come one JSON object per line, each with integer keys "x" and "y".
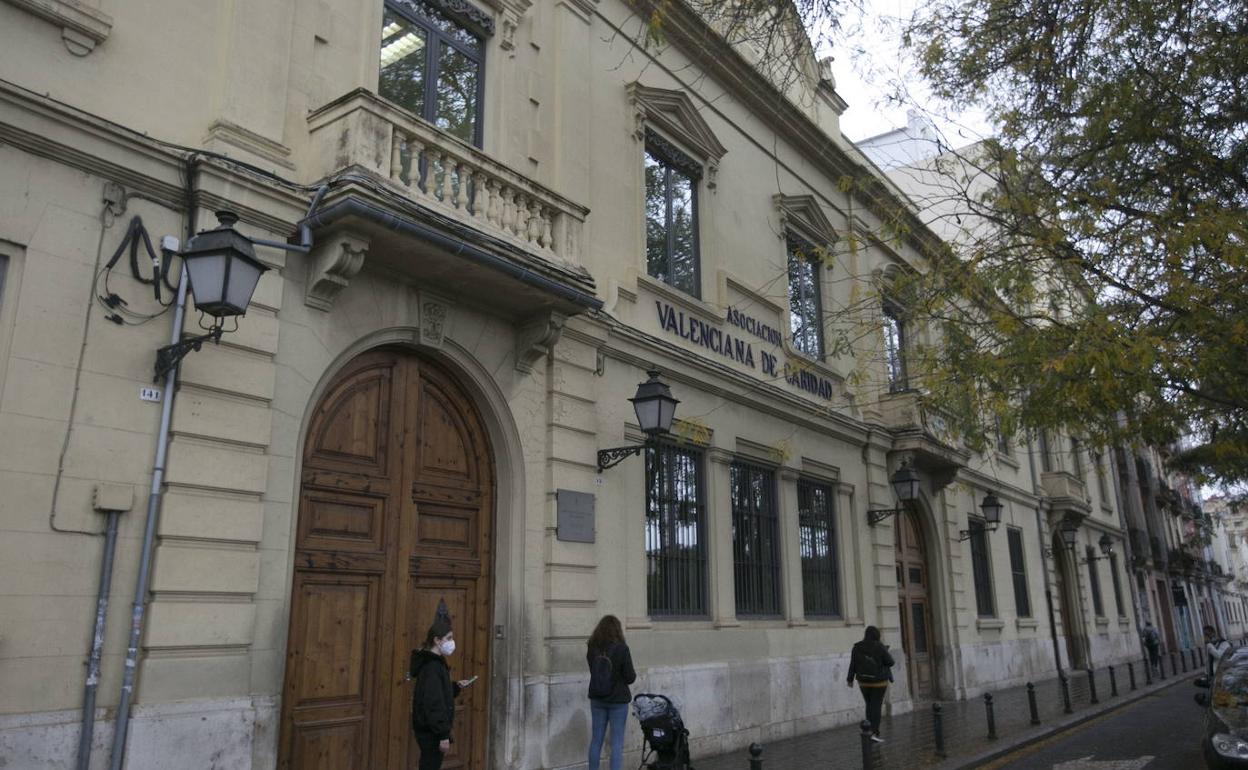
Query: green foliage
{"x": 1105, "y": 293}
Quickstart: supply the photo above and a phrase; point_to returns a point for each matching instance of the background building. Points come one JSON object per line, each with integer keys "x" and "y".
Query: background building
{"x": 524, "y": 210}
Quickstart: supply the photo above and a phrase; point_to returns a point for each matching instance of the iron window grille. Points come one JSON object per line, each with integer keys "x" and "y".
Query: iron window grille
{"x": 1046, "y": 452}
{"x": 895, "y": 349}
{"x": 805, "y": 303}
{"x": 676, "y": 561}
{"x": 1076, "y": 457}
{"x": 1018, "y": 570}
{"x": 1094, "y": 581}
{"x": 1113, "y": 573}
{"x": 816, "y": 521}
{"x": 755, "y": 540}
{"x": 433, "y": 62}
{"x": 672, "y": 215}
{"x": 981, "y": 568}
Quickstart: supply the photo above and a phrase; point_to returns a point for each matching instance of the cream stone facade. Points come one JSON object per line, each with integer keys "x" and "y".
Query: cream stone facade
{"x": 515, "y": 271}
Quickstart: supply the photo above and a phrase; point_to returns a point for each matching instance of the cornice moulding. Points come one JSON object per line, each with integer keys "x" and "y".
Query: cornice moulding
{"x": 82, "y": 27}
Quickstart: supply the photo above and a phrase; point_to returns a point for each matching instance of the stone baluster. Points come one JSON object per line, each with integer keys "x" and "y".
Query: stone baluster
{"x": 397, "y": 141}
{"x": 508, "y": 218}
{"x": 535, "y": 222}
{"x": 548, "y": 237}
{"x": 463, "y": 176}
{"x": 415, "y": 149}
{"x": 480, "y": 196}
{"x": 444, "y": 186}
{"x": 521, "y": 225}
{"x": 494, "y": 214}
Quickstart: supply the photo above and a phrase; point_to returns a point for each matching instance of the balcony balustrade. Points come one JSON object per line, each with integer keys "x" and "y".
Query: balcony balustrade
{"x": 439, "y": 172}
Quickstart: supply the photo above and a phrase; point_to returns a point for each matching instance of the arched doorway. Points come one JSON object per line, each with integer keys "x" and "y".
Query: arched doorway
{"x": 1067, "y": 582}
{"x": 395, "y": 512}
{"x": 914, "y": 604}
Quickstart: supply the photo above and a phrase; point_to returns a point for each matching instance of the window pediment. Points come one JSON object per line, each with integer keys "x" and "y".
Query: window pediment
{"x": 674, "y": 113}
{"x": 803, "y": 214}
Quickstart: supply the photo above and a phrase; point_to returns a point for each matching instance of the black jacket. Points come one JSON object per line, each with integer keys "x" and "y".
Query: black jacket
{"x": 433, "y": 699}
{"x": 876, "y": 650}
{"x": 622, "y": 671}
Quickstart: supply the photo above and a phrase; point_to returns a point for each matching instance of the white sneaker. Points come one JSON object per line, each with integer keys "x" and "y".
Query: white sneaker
{"x": 877, "y": 739}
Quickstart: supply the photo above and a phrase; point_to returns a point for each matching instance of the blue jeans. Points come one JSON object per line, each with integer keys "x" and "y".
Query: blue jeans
{"x": 602, "y": 712}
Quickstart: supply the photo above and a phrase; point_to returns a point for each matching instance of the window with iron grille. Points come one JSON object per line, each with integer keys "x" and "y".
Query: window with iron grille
{"x": 805, "y": 305}
{"x": 895, "y": 349}
{"x": 1076, "y": 457}
{"x": 981, "y": 568}
{"x": 672, "y": 215}
{"x": 676, "y": 566}
{"x": 755, "y": 539}
{"x": 816, "y": 522}
{"x": 432, "y": 61}
{"x": 1113, "y": 573}
{"x": 1094, "y": 581}
{"x": 1101, "y": 471}
{"x": 1018, "y": 569}
{"x": 1003, "y": 443}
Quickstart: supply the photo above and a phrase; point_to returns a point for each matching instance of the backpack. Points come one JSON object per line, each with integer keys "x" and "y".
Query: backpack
{"x": 601, "y": 676}
{"x": 869, "y": 667}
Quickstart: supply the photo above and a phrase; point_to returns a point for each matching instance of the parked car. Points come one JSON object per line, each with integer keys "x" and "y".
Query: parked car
{"x": 1225, "y": 742}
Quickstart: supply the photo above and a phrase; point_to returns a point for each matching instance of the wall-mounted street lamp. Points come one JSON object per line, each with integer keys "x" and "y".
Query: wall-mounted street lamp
{"x": 991, "y": 508}
{"x": 655, "y": 407}
{"x": 1069, "y": 531}
{"x": 222, "y": 271}
{"x": 905, "y": 486}
{"x": 1106, "y": 545}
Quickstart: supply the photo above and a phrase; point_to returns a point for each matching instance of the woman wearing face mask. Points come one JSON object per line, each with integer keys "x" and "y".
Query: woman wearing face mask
{"x": 433, "y": 702}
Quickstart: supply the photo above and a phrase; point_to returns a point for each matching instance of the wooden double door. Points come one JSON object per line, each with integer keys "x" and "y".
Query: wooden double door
{"x": 395, "y": 511}
{"x": 914, "y": 605}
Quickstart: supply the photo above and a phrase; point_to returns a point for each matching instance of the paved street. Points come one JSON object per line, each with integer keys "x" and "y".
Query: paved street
{"x": 1159, "y": 732}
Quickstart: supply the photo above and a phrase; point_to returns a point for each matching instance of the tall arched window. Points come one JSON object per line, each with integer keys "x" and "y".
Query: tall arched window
{"x": 895, "y": 349}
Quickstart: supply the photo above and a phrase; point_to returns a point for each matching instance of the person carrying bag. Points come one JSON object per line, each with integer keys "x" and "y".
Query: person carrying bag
{"x": 871, "y": 665}
{"x": 610, "y": 674}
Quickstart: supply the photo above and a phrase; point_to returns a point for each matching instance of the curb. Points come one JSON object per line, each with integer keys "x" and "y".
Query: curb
{"x": 997, "y": 752}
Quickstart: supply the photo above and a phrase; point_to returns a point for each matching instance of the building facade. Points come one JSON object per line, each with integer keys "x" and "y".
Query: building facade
{"x": 516, "y": 210}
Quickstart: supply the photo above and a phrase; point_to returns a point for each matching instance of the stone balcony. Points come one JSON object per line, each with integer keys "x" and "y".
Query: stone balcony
{"x": 363, "y": 132}
{"x": 923, "y": 435}
{"x": 1066, "y": 494}
{"x": 413, "y": 199}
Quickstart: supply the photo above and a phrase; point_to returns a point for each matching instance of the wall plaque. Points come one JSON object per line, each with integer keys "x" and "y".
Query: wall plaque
{"x": 575, "y": 522}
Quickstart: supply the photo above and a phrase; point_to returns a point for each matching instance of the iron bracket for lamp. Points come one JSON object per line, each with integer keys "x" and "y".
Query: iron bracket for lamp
{"x": 608, "y": 458}
{"x": 966, "y": 534}
{"x": 1090, "y": 559}
{"x": 1050, "y": 550}
{"x": 875, "y": 516}
{"x": 169, "y": 356}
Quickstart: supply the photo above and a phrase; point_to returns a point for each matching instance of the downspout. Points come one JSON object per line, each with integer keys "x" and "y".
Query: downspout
{"x": 154, "y": 494}
{"x": 149, "y": 531}
{"x": 1130, "y": 549}
{"x": 1044, "y": 561}
{"x": 87, "y": 733}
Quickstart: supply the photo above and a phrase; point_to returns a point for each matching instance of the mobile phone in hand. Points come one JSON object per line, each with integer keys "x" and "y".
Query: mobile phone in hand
{"x": 470, "y": 681}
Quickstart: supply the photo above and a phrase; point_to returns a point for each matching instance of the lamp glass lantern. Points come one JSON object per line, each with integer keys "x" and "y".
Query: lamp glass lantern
{"x": 991, "y": 507}
{"x": 655, "y": 406}
{"x": 222, "y": 268}
{"x": 1069, "y": 530}
{"x": 1106, "y": 544}
{"x": 906, "y": 484}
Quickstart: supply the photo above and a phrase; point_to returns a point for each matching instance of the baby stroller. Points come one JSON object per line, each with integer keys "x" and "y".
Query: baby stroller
{"x": 666, "y": 741}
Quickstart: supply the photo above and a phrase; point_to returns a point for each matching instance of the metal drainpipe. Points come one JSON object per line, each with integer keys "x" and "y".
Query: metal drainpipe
{"x": 149, "y": 531}
{"x": 1044, "y": 560}
{"x": 86, "y": 735}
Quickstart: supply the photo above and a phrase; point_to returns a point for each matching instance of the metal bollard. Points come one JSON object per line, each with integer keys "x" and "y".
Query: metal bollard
{"x": 1131, "y": 674}
{"x": 868, "y": 762}
{"x": 1065, "y": 693}
{"x": 938, "y": 730}
{"x": 756, "y": 756}
{"x": 1161, "y": 666}
{"x": 992, "y": 720}
{"x": 1182, "y": 661}
{"x": 1092, "y": 687}
{"x": 1031, "y": 703}
{"x": 1148, "y": 671}
{"x": 1174, "y": 666}
{"x": 1113, "y": 683}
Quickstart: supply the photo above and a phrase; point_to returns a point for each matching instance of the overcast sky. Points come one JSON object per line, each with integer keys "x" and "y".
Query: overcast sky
{"x": 868, "y": 64}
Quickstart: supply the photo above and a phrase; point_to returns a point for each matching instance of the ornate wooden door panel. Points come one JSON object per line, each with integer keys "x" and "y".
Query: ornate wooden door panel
{"x": 914, "y": 606}
{"x": 395, "y": 514}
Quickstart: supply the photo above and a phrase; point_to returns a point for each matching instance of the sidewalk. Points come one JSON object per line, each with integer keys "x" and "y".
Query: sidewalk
{"x": 909, "y": 738}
